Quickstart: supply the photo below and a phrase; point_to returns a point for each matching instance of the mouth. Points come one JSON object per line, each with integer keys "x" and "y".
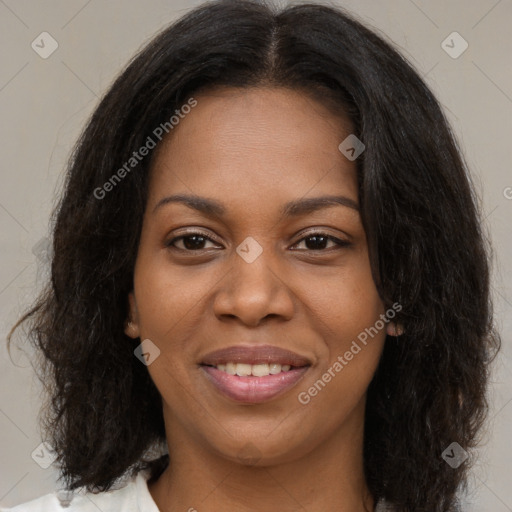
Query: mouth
{"x": 253, "y": 374}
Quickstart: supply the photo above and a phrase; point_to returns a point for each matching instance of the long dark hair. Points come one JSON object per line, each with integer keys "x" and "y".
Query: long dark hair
{"x": 419, "y": 211}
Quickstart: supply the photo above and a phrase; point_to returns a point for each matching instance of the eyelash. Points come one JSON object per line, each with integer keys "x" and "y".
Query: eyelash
{"x": 340, "y": 243}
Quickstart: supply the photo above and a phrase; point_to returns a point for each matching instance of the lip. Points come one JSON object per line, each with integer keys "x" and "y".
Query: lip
{"x": 250, "y": 389}
{"x": 255, "y": 354}
{"x": 253, "y": 390}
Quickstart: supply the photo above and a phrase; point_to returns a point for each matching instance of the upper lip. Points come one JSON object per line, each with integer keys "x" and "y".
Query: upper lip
{"x": 254, "y": 355}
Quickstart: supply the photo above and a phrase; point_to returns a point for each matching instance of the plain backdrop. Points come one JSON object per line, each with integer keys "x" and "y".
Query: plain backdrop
{"x": 45, "y": 102}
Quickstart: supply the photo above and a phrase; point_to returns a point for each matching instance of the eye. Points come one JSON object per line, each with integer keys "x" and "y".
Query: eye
{"x": 317, "y": 241}
{"x": 193, "y": 241}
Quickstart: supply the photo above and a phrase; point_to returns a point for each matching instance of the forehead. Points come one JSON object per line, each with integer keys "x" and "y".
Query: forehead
{"x": 252, "y": 145}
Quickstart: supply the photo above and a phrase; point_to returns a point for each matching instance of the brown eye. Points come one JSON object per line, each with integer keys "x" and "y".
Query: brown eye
{"x": 190, "y": 242}
{"x": 319, "y": 241}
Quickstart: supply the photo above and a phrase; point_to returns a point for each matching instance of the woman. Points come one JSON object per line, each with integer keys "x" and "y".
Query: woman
{"x": 269, "y": 288}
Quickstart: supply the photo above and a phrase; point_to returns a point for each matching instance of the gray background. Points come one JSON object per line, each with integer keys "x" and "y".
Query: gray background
{"x": 45, "y": 102}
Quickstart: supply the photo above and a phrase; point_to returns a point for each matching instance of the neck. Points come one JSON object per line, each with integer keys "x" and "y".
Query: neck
{"x": 329, "y": 478}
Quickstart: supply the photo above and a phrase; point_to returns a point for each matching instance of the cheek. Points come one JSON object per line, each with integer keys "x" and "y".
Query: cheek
{"x": 169, "y": 306}
{"x": 167, "y": 295}
{"x": 346, "y": 302}
{"x": 335, "y": 393}
{"x": 347, "y": 310}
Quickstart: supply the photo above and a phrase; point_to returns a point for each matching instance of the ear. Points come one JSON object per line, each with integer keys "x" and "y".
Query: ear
{"x": 394, "y": 329}
{"x": 132, "y": 323}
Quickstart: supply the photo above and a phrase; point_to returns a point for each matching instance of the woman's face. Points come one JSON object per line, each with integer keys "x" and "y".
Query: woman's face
{"x": 249, "y": 271}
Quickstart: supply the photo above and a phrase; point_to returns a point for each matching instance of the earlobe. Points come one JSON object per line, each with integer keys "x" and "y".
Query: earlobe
{"x": 131, "y": 328}
{"x": 394, "y": 329}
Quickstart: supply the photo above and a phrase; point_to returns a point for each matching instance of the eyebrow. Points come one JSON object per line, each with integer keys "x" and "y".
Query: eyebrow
{"x": 295, "y": 208}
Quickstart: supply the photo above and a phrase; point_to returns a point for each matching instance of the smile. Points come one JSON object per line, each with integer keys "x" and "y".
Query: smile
{"x": 254, "y": 374}
{"x": 250, "y": 389}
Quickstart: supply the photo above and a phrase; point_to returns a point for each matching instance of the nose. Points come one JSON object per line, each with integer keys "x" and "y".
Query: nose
{"x": 252, "y": 292}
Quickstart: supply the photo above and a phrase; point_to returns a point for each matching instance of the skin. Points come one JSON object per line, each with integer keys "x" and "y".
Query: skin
{"x": 254, "y": 150}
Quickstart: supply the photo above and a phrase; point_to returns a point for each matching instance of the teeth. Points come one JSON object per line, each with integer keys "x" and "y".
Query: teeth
{"x": 260, "y": 370}
{"x": 274, "y": 368}
{"x": 255, "y": 370}
{"x": 243, "y": 370}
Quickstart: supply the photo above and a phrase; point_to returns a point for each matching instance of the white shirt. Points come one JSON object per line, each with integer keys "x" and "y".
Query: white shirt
{"x": 133, "y": 497}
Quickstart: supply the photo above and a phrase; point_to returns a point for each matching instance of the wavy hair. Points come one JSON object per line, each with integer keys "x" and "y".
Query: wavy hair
{"x": 420, "y": 213}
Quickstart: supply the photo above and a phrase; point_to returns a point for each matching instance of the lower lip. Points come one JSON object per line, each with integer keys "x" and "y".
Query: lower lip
{"x": 253, "y": 390}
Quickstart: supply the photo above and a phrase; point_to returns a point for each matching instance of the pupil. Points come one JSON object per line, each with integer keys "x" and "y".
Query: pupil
{"x": 193, "y": 245}
{"x": 318, "y": 242}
